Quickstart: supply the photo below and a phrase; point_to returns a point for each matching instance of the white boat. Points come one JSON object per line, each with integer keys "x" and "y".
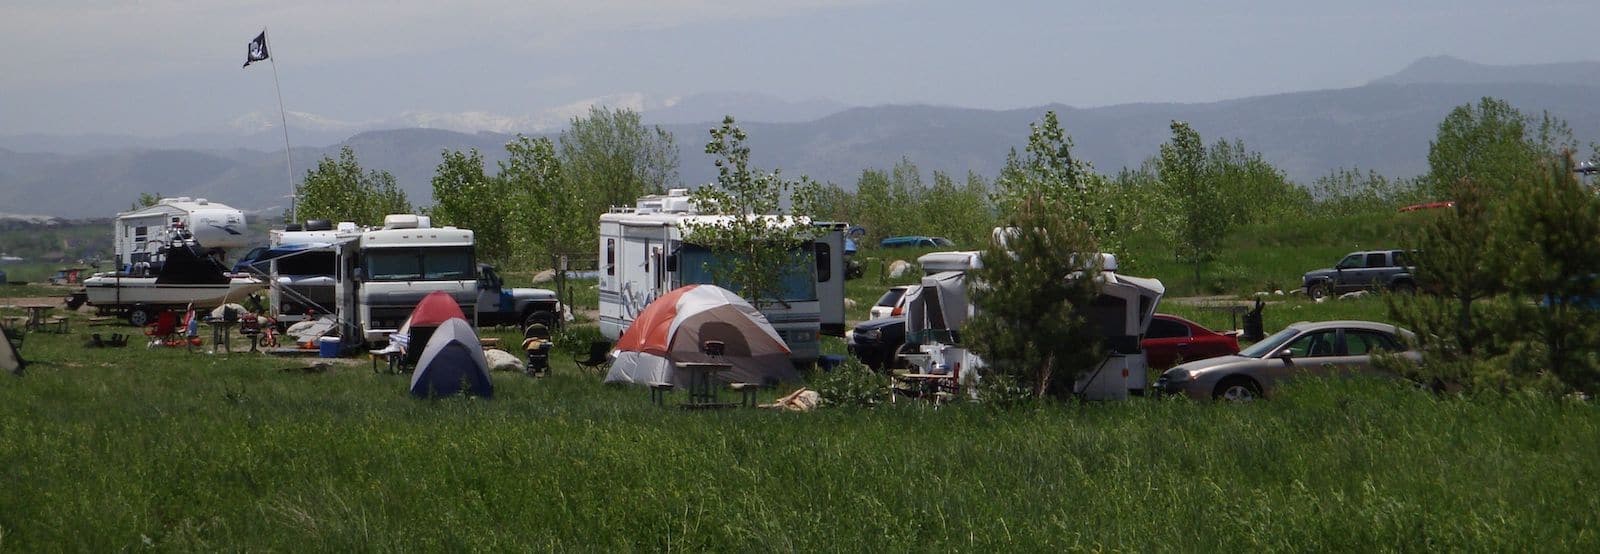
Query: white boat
{"x": 109, "y": 290}
{"x": 185, "y": 279}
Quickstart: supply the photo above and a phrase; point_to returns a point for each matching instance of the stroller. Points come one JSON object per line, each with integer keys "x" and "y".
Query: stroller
{"x": 536, "y": 343}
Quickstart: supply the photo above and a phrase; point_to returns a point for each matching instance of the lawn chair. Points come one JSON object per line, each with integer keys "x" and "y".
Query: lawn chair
{"x": 163, "y": 329}
{"x": 599, "y": 356}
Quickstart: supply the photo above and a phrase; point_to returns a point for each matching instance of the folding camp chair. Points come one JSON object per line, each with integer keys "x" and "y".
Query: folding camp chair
{"x": 599, "y": 356}
{"x": 163, "y": 329}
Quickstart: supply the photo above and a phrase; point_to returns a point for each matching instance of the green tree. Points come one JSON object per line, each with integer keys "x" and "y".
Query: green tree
{"x": 464, "y": 196}
{"x": 338, "y": 190}
{"x": 958, "y": 212}
{"x": 875, "y": 209}
{"x": 1346, "y": 192}
{"x": 613, "y": 158}
{"x": 1035, "y": 290}
{"x": 1487, "y": 143}
{"x": 1552, "y": 222}
{"x": 554, "y": 215}
{"x": 1200, "y": 216}
{"x": 1049, "y": 170}
{"x": 757, "y": 244}
{"x": 146, "y": 200}
{"x": 1481, "y": 154}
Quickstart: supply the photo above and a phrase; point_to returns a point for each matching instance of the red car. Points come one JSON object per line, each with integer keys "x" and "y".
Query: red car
{"x": 1172, "y": 340}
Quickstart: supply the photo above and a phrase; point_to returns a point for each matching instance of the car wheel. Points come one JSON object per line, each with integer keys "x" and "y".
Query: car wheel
{"x": 1237, "y": 389}
{"x": 1317, "y": 291}
{"x": 548, "y": 319}
{"x": 139, "y": 317}
{"x": 1404, "y": 287}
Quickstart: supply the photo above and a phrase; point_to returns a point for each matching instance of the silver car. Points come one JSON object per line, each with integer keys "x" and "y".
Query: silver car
{"x": 1325, "y": 348}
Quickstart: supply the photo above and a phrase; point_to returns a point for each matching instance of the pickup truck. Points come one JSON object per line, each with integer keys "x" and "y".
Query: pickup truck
{"x": 1368, "y": 270}
{"x": 498, "y": 305}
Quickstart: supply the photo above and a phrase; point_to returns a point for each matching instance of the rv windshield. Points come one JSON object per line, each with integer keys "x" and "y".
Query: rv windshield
{"x": 432, "y": 264}
{"x": 309, "y": 263}
{"x": 696, "y": 265}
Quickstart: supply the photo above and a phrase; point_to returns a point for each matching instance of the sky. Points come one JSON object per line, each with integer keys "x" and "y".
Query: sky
{"x": 167, "y": 67}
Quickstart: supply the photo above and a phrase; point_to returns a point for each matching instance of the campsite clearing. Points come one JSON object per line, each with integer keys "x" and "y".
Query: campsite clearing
{"x": 109, "y": 449}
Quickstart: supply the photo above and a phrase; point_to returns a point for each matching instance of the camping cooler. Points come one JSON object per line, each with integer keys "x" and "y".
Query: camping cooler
{"x": 328, "y": 347}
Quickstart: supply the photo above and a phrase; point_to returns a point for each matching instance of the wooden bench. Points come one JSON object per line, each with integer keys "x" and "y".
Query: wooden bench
{"x": 489, "y": 342}
{"x": 60, "y": 322}
{"x": 658, "y": 392}
{"x": 102, "y": 320}
{"x": 747, "y": 392}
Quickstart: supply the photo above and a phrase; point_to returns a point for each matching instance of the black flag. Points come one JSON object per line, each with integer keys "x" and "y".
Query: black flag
{"x": 258, "y": 49}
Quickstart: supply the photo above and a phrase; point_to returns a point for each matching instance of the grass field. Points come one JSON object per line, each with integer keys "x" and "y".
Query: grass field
{"x": 132, "y": 448}
{"x": 122, "y": 449}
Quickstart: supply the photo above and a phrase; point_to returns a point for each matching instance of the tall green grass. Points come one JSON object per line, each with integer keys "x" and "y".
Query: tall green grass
{"x": 124, "y": 449}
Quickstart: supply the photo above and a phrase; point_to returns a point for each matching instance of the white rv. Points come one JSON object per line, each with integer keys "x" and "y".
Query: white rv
{"x": 383, "y": 273}
{"x": 643, "y": 255}
{"x": 140, "y": 233}
{"x": 301, "y": 263}
{"x": 936, "y": 311}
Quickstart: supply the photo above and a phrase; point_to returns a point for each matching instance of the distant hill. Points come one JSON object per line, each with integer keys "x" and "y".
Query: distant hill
{"x": 1446, "y": 69}
{"x": 1384, "y": 126}
{"x": 705, "y": 108}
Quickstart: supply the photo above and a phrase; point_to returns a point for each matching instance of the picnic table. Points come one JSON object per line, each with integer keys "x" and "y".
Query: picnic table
{"x": 703, "y": 390}
{"x": 37, "y": 314}
{"x": 222, "y": 334}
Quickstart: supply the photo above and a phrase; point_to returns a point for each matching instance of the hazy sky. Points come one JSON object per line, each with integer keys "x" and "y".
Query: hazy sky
{"x": 161, "y": 67}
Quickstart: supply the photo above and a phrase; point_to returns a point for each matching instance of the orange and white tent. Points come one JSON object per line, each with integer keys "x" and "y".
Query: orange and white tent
{"x": 673, "y": 328}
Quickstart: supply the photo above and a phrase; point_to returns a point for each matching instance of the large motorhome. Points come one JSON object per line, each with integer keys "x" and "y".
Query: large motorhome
{"x": 301, "y": 262}
{"x": 139, "y": 234}
{"x": 936, "y": 311}
{"x": 643, "y": 255}
{"x": 383, "y": 273}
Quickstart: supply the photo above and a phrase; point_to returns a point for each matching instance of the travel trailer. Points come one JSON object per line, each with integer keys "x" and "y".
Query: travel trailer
{"x": 643, "y": 255}
{"x": 937, "y": 309}
{"x": 139, "y": 234}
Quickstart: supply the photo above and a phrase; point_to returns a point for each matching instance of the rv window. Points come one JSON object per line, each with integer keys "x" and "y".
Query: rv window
{"x": 824, "y": 262}
{"x": 611, "y": 256}
{"x": 656, "y": 253}
{"x": 447, "y": 263}
{"x": 402, "y": 264}
{"x": 697, "y": 265}
{"x": 310, "y": 263}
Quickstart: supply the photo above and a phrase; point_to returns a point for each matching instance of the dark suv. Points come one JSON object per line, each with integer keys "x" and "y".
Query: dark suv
{"x": 1370, "y": 270}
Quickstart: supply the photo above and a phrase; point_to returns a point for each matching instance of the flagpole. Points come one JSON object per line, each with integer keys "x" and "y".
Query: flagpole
{"x": 288, "y": 162}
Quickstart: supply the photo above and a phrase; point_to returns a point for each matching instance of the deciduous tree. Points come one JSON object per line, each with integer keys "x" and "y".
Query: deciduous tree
{"x": 756, "y": 244}
{"x": 339, "y": 190}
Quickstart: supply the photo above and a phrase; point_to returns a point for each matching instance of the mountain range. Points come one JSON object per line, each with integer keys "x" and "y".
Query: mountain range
{"x": 1384, "y": 125}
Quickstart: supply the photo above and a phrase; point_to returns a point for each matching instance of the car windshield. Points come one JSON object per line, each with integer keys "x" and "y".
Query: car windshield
{"x": 1267, "y": 345}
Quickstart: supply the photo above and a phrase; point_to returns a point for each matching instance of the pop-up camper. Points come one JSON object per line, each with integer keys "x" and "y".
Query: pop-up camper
{"x": 936, "y": 311}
